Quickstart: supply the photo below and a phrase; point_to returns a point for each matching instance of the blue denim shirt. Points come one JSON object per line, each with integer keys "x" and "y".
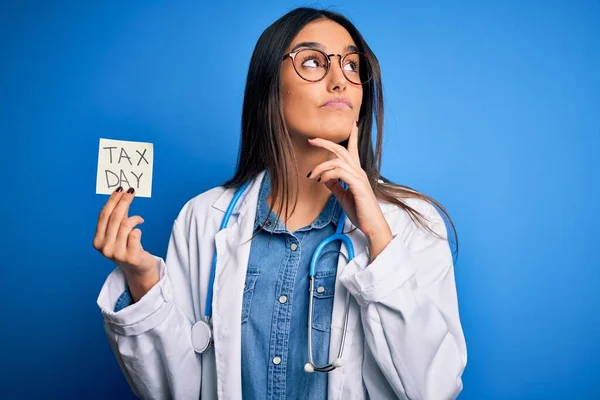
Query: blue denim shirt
{"x": 275, "y": 305}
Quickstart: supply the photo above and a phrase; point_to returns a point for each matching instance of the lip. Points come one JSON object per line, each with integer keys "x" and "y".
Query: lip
{"x": 338, "y": 103}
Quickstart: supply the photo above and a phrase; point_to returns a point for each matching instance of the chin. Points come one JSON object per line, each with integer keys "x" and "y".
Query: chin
{"x": 334, "y": 129}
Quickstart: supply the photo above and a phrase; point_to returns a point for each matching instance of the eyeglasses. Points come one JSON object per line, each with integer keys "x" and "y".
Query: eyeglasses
{"x": 313, "y": 65}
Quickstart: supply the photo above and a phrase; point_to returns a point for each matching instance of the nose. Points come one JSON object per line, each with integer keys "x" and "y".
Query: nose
{"x": 337, "y": 79}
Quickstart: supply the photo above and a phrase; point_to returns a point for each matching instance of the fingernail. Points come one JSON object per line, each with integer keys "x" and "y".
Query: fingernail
{"x": 130, "y": 190}
{"x": 356, "y": 122}
{"x": 311, "y": 138}
{"x": 119, "y": 189}
{"x": 308, "y": 176}
{"x": 319, "y": 180}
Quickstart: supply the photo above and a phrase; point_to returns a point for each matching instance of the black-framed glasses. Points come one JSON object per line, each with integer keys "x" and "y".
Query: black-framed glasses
{"x": 313, "y": 65}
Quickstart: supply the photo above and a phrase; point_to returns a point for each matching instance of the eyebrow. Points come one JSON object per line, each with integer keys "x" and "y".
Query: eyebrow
{"x": 316, "y": 45}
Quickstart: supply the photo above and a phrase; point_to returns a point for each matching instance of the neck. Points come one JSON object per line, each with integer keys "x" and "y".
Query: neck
{"x": 312, "y": 195}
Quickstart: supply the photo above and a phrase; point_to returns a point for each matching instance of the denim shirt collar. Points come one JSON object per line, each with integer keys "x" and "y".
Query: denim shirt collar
{"x": 330, "y": 212}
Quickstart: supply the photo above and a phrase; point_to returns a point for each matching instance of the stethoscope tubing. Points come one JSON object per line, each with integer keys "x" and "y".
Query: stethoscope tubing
{"x": 204, "y": 327}
{"x": 213, "y": 269}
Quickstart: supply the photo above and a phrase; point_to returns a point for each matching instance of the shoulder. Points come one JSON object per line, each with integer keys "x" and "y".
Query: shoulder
{"x": 421, "y": 206}
{"x": 402, "y": 219}
{"x": 206, "y": 210}
{"x": 412, "y": 205}
{"x": 200, "y": 208}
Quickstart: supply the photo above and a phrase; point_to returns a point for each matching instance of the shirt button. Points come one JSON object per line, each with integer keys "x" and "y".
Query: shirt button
{"x": 268, "y": 223}
{"x": 320, "y": 289}
{"x": 294, "y": 246}
{"x": 283, "y": 299}
{"x": 277, "y": 360}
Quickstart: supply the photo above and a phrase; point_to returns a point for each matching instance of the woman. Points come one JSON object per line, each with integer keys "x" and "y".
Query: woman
{"x": 312, "y": 94}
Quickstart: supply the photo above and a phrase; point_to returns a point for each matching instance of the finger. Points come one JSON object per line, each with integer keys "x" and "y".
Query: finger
{"x": 335, "y": 148}
{"x": 353, "y": 142}
{"x": 119, "y": 214}
{"x": 336, "y": 188}
{"x": 125, "y": 228}
{"x": 104, "y": 217}
{"x": 134, "y": 242}
{"x": 326, "y": 166}
{"x": 355, "y": 170}
{"x": 335, "y": 171}
{"x": 331, "y": 179}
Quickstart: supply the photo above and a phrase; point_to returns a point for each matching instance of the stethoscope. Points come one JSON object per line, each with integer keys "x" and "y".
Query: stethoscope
{"x": 202, "y": 337}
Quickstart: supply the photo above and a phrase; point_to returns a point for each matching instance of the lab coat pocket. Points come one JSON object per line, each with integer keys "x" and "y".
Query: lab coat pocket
{"x": 251, "y": 276}
{"x": 323, "y": 293}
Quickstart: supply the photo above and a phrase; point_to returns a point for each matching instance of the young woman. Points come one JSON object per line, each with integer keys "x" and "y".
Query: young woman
{"x": 377, "y": 317}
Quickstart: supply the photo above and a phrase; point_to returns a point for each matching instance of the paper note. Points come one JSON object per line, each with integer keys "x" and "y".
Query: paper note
{"x": 126, "y": 164}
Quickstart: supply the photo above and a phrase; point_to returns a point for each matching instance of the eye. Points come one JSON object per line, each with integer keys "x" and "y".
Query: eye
{"x": 351, "y": 66}
{"x": 311, "y": 62}
{"x": 311, "y": 59}
{"x": 352, "y": 63}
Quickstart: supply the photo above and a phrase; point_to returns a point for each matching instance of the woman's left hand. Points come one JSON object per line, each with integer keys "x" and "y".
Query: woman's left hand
{"x": 359, "y": 201}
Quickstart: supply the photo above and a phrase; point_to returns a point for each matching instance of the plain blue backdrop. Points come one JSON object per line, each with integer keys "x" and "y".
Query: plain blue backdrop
{"x": 493, "y": 108}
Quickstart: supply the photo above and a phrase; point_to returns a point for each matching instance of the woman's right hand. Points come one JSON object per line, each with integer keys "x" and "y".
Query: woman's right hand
{"x": 118, "y": 239}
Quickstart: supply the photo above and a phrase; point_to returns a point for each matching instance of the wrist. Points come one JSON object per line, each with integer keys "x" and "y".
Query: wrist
{"x": 379, "y": 241}
{"x": 140, "y": 284}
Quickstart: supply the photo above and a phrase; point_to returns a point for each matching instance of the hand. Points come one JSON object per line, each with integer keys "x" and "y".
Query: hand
{"x": 359, "y": 201}
{"x": 118, "y": 239}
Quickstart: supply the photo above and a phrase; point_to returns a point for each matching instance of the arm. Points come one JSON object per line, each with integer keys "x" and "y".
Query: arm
{"x": 151, "y": 338}
{"x": 409, "y": 311}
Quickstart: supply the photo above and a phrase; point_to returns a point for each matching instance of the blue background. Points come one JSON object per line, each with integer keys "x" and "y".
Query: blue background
{"x": 493, "y": 108}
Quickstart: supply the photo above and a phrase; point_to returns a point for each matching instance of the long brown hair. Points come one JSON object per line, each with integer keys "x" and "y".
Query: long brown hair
{"x": 265, "y": 143}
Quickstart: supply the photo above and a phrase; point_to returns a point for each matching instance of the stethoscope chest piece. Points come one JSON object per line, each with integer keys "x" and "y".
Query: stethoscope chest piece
{"x": 201, "y": 336}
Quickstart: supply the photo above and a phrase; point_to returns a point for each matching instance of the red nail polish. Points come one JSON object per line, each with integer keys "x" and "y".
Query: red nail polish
{"x": 312, "y": 138}
{"x": 130, "y": 190}
{"x": 119, "y": 189}
{"x": 356, "y": 122}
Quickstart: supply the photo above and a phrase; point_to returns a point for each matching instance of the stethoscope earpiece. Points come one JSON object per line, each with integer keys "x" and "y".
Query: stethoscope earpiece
{"x": 308, "y": 368}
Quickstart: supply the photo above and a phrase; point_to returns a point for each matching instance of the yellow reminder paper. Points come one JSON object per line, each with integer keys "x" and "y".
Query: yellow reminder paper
{"x": 126, "y": 164}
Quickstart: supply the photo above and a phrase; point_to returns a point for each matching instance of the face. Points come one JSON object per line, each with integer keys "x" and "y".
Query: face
{"x": 304, "y": 103}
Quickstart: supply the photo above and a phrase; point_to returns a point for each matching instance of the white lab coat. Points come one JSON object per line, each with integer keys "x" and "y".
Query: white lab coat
{"x": 404, "y": 336}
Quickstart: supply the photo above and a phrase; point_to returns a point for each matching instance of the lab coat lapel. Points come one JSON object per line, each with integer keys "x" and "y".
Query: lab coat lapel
{"x": 233, "y": 250}
{"x": 337, "y": 377}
